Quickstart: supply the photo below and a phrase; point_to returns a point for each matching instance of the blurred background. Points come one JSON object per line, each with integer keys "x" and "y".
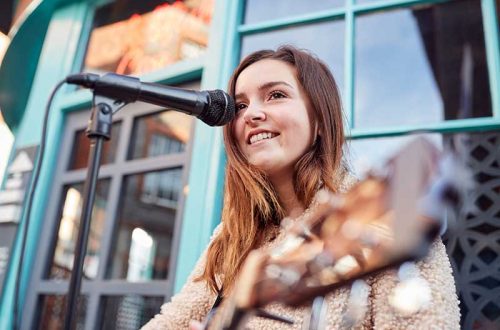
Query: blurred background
{"x": 403, "y": 66}
{"x": 6, "y": 18}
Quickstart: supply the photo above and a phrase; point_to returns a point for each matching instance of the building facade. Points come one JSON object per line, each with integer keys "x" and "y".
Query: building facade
{"x": 403, "y": 66}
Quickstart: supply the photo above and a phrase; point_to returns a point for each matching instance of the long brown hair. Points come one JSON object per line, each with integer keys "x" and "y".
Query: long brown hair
{"x": 251, "y": 205}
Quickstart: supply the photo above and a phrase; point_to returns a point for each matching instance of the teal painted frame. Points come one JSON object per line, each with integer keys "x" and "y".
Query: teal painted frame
{"x": 53, "y": 67}
{"x": 327, "y": 15}
{"x": 207, "y": 141}
{"x": 492, "y": 36}
{"x": 348, "y": 13}
{"x": 197, "y": 212}
{"x": 207, "y": 144}
{"x": 206, "y": 176}
{"x": 174, "y": 74}
{"x": 349, "y": 66}
{"x": 459, "y": 125}
{"x": 16, "y": 73}
{"x": 203, "y": 204}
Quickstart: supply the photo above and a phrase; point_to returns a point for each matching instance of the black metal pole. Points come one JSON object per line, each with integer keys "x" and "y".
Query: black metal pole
{"x": 98, "y": 130}
{"x": 83, "y": 231}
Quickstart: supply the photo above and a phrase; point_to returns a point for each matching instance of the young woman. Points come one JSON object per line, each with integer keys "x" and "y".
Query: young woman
{"x": 284, "y": 144}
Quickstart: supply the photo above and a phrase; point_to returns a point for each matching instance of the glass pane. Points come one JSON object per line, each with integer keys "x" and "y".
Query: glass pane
{"x": 326, "y": 40}
{"x": 365, "y": 154}
{"x": 159, "y": 134}
{"x": 129, "y": 312}
{"x": 263, "y": 10}
{"x": 143, "y": 244}
{"x": 133, "y": 37}
{"x": 81, "y": 148}
{"x": 62, "y": 263}
{"x": 54, "y": 311}
{"x": 421, "y": 65}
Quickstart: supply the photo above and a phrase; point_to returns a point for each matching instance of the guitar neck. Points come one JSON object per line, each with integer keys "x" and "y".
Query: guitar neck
{"x": 380, "y": 222}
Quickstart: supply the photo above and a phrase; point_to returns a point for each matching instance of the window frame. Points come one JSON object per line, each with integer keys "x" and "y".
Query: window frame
{"x": 73, "y": 105}
{"x": 349, "y": 13}
{"x": 116, "y": 172}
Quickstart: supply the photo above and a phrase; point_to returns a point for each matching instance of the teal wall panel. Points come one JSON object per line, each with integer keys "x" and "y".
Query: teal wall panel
{"x": 16, "y": 72}
{"x": 206, "y": 175}
{"x": 55, "y": 63}
{"x": 492, "y": 37}
{"x": 21, "y": 59}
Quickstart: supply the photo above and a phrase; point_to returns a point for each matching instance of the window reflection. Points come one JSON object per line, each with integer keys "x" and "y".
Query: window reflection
{"x": 133, "y": 37}
{"x": 62, "y": 263}
{"x": 159, "y": 134}
{"x": 326, "y": 40}
{"x": 141, "y": 255}
{"x": 365, "y": 154}
{"x": 142, "y": 249}
{"x": 128, "y": 312}
{"x": 53, "y": 308}
{"x": 81, "y": 148}
{"x": 421, "y": 65}
{"x": 263, "y": 10}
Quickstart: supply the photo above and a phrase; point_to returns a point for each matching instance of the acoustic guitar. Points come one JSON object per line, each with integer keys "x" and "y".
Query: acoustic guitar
{"x": 388, "y": 218}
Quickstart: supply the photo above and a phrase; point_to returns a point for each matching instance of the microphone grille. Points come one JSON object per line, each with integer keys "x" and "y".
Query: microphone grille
{"x": 220, "y": 110}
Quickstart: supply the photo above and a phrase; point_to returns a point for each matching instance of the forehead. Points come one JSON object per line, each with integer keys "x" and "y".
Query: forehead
{"x": 263, "y": 71}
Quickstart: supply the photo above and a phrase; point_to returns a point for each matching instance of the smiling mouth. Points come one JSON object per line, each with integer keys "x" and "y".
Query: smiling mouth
{"x": 262, "y": 136}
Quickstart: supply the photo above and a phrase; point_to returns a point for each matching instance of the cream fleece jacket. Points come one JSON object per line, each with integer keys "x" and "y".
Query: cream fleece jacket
{"x": 195, "y": 300}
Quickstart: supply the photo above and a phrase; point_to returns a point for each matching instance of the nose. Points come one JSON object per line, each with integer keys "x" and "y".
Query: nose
{"x": 254, "y": 114}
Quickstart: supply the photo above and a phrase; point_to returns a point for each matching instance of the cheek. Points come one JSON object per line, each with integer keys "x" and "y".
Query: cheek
{"x": 238, "y": 130}
{"x": 299, "y": 127}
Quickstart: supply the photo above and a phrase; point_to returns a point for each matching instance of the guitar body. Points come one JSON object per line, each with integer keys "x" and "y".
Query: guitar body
{"x": 387, "y": 218}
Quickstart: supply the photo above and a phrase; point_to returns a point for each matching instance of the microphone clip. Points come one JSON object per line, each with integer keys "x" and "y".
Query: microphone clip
{"x": 101, "y": 117}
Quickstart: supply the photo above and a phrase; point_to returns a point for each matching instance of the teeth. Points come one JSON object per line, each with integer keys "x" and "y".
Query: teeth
{"x": 260, "y": 136}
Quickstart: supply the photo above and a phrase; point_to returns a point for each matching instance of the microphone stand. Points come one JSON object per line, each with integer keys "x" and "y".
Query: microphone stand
{"x": 98, "y": 130}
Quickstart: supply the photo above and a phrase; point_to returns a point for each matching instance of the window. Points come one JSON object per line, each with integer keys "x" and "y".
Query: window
{"x": 70, "y": 211}
{"x": 420, "y": 65}
{"x": 324, "y": 39}
{"x": 407, "y": 66}
{"x": 53, "y": 309}
{"x": 135, "y": 37}
{"x": 128, "y": 312}
{"x": 131, "y": 253}
{"x": 261, "y": 10}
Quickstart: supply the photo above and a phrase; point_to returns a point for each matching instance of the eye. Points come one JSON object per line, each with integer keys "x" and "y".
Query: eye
{"x": 276, "y": 95}
{"x": 240, "y": 106}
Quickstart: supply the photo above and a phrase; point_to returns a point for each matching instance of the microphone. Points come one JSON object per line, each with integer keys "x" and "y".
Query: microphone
{"x": 215, "y": 108}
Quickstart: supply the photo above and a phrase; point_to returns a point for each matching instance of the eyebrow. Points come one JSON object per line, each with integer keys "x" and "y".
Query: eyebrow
{"x": 266, "y": 86}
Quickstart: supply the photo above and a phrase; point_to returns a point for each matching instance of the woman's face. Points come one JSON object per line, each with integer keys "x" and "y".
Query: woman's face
{"x": 273, "y": 121}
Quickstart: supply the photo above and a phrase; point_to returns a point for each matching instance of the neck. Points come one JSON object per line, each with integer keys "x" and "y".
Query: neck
{"x": 286, "y": 194}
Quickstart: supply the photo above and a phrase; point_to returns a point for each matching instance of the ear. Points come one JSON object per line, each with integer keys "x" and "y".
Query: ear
{"x": 317, "y": 131}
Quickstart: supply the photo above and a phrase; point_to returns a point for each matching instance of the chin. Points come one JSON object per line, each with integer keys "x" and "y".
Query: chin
{"x": 266, "y": 166}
